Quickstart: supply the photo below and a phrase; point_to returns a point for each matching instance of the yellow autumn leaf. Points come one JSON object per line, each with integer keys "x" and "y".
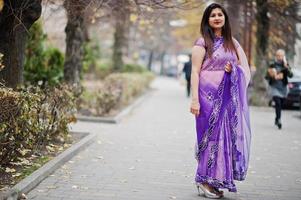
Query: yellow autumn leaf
{"x": 133, "y": 18}
{"x": 189, "y": 32}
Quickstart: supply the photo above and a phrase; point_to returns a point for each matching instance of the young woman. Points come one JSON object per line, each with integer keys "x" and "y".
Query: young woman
{"x": 279, "y": 72}
{"x": 220, "y": 76}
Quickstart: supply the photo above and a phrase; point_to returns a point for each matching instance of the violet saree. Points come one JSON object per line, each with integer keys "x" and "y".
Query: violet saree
{"x": 223, "y": 126}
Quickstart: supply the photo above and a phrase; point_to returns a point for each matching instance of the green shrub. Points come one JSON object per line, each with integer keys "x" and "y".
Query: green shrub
{"x": 91, "y": 55}
{"x": 103, "y": 69}
{"x": 43, "y": 66}
{"x": 32, "y": 117}
{"x": 133, "y": 68}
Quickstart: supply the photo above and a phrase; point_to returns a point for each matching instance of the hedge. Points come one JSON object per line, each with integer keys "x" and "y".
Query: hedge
{"x": 30, "y": 118}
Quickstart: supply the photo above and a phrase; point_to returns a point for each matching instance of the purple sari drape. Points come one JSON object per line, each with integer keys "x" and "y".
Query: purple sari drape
{"x": 223, "y": 126}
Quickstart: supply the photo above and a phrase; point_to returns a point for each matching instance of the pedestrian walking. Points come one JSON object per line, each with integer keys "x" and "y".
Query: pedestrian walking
{"x": 187, "y": 71}
{"x": 220, "y": 77}
{"x": 278, "y": 74}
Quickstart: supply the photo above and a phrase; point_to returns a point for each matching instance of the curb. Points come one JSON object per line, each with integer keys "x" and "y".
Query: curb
{"x": 116, "y": 119}
{"x": 36, "y": 177}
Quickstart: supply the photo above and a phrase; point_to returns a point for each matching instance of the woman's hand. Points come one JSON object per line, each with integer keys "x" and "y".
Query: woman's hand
{"x": 228, "y": 67}
{"x": 279, "y": 76}
{"x": 195, "y": 109}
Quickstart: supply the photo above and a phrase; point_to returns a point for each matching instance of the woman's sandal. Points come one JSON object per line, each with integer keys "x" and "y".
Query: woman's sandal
{"x": 211, "y": 194}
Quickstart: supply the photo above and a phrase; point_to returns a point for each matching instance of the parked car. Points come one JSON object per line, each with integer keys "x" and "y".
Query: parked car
{"x": 294, "y": 86}
{"x": 171, "y": 71}
{"x": 300, "y": 103}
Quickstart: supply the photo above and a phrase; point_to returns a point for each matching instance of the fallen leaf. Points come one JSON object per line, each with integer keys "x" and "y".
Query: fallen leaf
{"x": 50, "y": 148}
{"x": 74, "y": 187}
{"x": 9, "y": 170}
{"x": 24, "y": 161}
{"x": 23, "y": 196}
{"x": 17, "y": 174}
{"x": 51, "y": 187}
{"x": 23, "y": 152}
{"x": 16, "y": 163}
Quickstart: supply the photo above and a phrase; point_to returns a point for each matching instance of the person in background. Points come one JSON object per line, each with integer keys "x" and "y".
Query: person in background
{"x": 187, "y": 71}
{"x": 278, "y": 73}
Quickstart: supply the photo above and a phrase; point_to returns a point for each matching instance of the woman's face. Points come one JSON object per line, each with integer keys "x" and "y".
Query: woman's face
{"x": 216, "y": 19}
{"x": 279, "y": 56}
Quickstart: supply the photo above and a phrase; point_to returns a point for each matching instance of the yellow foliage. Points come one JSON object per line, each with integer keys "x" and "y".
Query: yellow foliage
{"x": 1, "y": 5}
{"x": 187, "y": 34}
{"x": 133, "y": 18}
{"x": 281, "y": 3}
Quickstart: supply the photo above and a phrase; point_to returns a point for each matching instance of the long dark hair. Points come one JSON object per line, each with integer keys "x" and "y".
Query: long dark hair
{"x": 208, "y": 32}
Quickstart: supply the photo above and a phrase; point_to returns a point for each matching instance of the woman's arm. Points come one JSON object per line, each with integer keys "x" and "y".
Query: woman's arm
{"x": 198, "y": 54}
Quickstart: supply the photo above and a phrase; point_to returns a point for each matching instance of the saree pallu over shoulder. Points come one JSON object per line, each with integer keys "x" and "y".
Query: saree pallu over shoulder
{"x": 223, "y": 127}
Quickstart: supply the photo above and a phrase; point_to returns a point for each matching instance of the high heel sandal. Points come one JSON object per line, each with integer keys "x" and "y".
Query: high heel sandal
{"x": 207, "y": 193}
{"x": 220, "y": 192}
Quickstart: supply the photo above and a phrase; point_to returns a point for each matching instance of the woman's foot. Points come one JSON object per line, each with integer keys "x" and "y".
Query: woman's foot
{"x": 209, "y": 191}
{"x": 278, "y": 123}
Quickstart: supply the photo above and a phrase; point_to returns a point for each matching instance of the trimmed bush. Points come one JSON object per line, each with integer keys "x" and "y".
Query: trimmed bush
{"x": 31, "y": 118}
{"x": 102, "y": 69}
{"x": 133, "y": 68}
{"x": 118, "y": 89}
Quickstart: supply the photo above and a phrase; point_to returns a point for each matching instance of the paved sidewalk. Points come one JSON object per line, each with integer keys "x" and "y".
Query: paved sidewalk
{"x": 149, "y": 156}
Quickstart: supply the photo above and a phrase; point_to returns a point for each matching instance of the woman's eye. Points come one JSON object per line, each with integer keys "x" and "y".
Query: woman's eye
{"x": 212, "y": 16}
{"x": 220, "y": 15}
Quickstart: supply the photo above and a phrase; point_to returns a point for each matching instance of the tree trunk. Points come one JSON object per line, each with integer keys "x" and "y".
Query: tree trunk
{"x": 260, "y": 93}
{"x": 162, "y": 62}
{"x": 121, "y": 14}
{"x": 234, "y": 11}
{"x": 150, "y": 60}
{"x": 15, "y": 20}
{"x": 262, "y": 36}
{"x": 263, "y": 23}
{"x": 75, "y": 38}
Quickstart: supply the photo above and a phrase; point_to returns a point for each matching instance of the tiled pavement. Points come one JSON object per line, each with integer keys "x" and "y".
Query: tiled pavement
{"x": 149, "y": 156}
